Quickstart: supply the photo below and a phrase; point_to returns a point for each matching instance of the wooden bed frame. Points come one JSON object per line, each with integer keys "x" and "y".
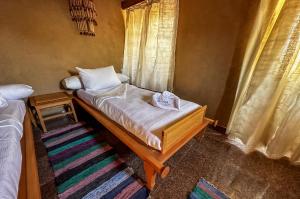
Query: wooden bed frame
{"x": 174, "y": 137}
{"x": 29, "y": 186}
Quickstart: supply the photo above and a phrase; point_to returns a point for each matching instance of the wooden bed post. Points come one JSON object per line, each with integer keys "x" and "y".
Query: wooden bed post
{"x": 29, "y": 186}
{"x": 150, "y": 175}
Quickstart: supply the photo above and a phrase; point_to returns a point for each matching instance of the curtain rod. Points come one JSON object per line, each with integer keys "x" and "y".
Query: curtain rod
{"x": 125, "y": 4}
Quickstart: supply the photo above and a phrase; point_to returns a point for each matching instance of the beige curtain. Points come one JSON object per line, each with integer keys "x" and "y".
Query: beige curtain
{"x": 266, "y": 113}
{"x": 150, "y": 42}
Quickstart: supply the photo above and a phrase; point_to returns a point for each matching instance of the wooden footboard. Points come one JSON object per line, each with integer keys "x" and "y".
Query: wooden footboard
{"x": 174, "y": 137}
{"x": 29, "y": 187}
{"x": 185, "y": 128}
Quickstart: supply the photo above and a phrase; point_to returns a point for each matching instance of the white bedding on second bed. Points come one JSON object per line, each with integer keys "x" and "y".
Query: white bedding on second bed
{"x": 11, "y": 132}
{"x": 135, "y": 113}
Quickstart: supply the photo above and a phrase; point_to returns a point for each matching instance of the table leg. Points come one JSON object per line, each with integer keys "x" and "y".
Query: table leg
{"x": 74, "y": 113}
{"x": 38, "y": 111}
{"x": 31, "y": 116}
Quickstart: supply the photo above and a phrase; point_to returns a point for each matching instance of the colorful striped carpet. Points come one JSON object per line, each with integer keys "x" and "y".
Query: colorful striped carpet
{"x": 205, "y": 190}
{"x": 85, "y": 166}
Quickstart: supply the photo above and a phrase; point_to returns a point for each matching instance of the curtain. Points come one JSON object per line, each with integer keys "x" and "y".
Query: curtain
{"x": 266, "y": 112}
{"x": 150, "y": 42}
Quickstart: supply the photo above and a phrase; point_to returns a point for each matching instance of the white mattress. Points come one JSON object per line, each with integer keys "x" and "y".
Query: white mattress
{"x": 136, "y": 114}
{"x": 11, "y": 132}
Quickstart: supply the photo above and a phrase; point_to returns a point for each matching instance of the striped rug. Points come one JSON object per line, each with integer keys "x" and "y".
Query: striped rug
{"x": 85, "y": 166}
{"x": 205, "y": 190}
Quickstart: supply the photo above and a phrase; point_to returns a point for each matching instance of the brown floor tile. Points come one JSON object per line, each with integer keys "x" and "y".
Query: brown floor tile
{"x": 175, "y": 186}
{"x": 45, "y": 170}
{"x": 48, "y": 191}
{"x": 279, "y": 194}
{"x": 250, "y": 186}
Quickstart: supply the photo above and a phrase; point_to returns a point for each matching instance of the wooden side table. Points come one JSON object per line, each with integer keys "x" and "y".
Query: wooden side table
{"x": 60, "y": 99}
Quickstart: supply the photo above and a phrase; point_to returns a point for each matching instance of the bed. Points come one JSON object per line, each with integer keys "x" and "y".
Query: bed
{"x": 154, "y": 136}
{"x": 18, "y": 169}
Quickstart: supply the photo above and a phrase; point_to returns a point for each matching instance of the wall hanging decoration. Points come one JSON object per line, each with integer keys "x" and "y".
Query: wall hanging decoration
{"x": 83, "y": 13}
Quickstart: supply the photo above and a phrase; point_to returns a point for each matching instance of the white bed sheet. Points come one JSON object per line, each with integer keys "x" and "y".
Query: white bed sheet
{"x": 136, "y": 114}
{"x": 11, "y": 132}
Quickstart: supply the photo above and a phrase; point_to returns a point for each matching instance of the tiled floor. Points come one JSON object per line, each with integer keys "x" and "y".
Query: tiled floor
{"x": 224, "y": 165}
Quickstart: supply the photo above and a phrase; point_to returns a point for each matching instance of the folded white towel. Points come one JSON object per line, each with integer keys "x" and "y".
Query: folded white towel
{"x": 166, "y": 100}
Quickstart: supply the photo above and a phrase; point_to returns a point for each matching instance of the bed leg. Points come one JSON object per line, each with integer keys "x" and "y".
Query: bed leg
{"x": 150, "y": 174}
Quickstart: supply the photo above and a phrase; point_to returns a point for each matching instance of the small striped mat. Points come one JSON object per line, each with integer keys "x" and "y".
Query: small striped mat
{"x": 205, "y": 190}
{"x": 85, "y": 166}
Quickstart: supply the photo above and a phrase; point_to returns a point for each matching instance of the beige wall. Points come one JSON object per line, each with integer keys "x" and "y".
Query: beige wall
{"x": 39, "y": 43}
{"x": 226, "y": 103}
{"x": 208, "y": 33}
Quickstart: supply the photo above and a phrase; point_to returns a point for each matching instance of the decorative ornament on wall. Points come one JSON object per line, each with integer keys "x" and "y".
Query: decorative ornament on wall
{"x": 83, "y": 13}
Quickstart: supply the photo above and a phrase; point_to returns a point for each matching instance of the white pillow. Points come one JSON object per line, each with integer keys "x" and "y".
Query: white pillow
{"x": 3, "y": 102}
{"x": 123, "y": 78}
{"x": 72, "y": 83}
{"x": 15, "y": 91}
{"x": 99, "y": 78}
